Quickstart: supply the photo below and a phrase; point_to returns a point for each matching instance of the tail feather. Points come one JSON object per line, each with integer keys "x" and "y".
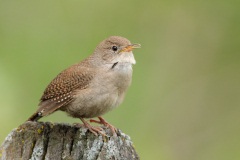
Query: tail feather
{"x": 35, "y": 117}
{"x": 47, "y": 107}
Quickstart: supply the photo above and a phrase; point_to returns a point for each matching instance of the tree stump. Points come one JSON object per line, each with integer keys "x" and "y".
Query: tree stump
{"x": 55, "y": 141}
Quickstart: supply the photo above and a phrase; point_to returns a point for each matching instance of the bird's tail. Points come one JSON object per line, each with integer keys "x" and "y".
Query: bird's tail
{"x": 36, "y": 116}
{"x": 47, "y": 107}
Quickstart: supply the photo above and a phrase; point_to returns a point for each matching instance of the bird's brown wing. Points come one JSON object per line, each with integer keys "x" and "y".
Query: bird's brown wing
{"x": 60, "y": 91}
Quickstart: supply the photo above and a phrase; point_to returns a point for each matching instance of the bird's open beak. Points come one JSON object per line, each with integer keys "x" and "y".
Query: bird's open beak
{"x": 130, "y": 47}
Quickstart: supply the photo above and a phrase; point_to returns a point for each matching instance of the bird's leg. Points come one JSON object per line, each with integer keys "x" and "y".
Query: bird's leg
{"x": 94, "y": 130}
{"x": 105, "y": 123}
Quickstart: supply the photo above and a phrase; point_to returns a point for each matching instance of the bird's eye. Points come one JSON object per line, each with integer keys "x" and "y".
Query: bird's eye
{"x": 114, "y": 48}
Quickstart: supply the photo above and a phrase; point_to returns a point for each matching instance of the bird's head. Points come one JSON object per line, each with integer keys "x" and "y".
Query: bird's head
{"x": 116, "y": 49}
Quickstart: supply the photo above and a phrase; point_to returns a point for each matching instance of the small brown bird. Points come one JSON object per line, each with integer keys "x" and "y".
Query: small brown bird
{"x": 92, "y": 87}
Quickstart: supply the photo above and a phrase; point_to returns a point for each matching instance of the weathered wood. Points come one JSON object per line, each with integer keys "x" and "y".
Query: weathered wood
{"x": 54, "y": 141}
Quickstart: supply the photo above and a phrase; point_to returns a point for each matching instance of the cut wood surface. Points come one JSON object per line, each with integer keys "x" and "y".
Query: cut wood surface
{"x": 55, "y": 141}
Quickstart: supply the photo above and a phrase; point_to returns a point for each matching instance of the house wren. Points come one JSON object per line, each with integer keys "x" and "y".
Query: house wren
{"x": 92, "y": 87}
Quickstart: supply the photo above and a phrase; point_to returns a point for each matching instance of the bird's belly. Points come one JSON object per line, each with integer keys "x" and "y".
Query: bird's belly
{"x": 103, "y": 94}
{"x": 92, "y": 104}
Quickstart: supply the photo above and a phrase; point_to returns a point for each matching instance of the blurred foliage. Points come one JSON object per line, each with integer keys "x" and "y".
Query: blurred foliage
{"x": 184, "y": 102}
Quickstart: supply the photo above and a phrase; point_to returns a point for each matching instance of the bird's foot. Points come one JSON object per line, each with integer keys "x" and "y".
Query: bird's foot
{"x": 105, "y": 123}
{"x": 95, "y": 130}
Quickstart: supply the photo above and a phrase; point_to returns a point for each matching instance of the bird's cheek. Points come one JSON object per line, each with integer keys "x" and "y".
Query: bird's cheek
{"x": 107, "y": 57}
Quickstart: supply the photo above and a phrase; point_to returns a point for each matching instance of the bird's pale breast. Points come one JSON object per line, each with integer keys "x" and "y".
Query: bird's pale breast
{"x": 105, "y": 92}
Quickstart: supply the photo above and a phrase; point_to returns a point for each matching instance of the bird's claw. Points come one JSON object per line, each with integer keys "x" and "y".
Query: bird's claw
{"x": 95, "y": 130}
{"x": 105, "y": 123}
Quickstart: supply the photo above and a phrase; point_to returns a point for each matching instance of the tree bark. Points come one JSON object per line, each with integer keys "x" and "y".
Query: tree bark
{"x": 54, "y": 141}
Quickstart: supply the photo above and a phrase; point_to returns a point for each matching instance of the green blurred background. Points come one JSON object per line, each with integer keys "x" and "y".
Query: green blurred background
{"x": 184, "y": 102}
